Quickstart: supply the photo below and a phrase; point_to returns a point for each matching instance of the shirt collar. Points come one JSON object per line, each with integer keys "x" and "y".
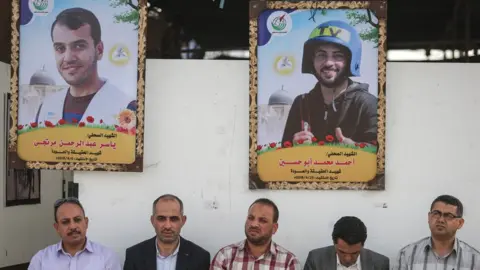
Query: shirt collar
{"x": 88, "y": 247}
{"x": 355, "y": 264}
{"x": 429, "y": 245}
{"x": 273, "y": 247}
{"x": 171, "y": 255}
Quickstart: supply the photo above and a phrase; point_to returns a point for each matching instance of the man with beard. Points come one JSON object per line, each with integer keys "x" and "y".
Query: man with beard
{"x": 336, "y": 106}
{"x": 75, "y": 251}
{"x": 76, "y": 37}
{"x": 167, "y": 250}
{"x": 441, "y": 250}
{"x": 258, "y": 251}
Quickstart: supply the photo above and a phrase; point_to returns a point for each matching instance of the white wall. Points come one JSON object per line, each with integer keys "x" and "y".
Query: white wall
{"x": 197, "y": 147}
{"x": 25, "y": 229}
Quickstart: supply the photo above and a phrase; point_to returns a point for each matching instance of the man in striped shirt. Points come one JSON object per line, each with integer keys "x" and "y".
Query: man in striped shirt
{"x": 258, "y": 251}
{"x": 442, "y": 250}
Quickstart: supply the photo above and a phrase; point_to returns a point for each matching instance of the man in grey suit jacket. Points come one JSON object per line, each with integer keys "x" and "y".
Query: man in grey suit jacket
{"x": 349, "y": 236}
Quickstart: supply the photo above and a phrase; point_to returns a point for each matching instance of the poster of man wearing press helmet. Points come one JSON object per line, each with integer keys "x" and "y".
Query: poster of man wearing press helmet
{"x": 318, "y": 92}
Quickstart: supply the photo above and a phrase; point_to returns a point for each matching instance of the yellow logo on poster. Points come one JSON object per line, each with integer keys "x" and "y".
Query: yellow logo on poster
{"x": 284, "y": 65}
{"x": 119, "y": 55}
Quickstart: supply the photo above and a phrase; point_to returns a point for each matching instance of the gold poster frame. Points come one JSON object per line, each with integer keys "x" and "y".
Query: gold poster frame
{"x": 17, "y": 163}
{"x": 379, "y": 8}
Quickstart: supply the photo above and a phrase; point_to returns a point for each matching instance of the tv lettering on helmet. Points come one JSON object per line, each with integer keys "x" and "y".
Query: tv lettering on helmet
{"x": 336, "y": 32}
{"x": 331, "y": 31}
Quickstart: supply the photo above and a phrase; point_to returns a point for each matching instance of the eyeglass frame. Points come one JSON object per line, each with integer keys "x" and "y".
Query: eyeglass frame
{"x": 447, "y": 216}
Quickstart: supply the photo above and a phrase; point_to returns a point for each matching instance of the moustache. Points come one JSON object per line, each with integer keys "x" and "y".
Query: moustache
{"x": 73, "y": 232}
{"x": 73, "y": 63}
{"x": 330, "y": 69}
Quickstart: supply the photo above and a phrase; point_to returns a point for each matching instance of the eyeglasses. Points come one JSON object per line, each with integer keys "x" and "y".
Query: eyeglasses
{"x": 59, "y": 202}
{"x": 447, "y": 216}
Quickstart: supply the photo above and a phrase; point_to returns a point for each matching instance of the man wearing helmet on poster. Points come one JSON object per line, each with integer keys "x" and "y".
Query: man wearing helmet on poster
{"x": 337, "y": 105}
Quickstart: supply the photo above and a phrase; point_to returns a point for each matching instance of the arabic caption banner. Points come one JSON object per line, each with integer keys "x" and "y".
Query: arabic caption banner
{"x": 77, "y": 81}
{"x": 317, "y": 95}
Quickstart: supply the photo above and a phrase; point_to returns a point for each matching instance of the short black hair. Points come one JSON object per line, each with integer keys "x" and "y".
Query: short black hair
{"x": 168, "y": 197}
{"x": 351, "y": 230}
{"x": 74, "y": 18}
{"x": 60, "y": 202}
{"x": 268, "y": 202}
{"x": 449, "y": 199}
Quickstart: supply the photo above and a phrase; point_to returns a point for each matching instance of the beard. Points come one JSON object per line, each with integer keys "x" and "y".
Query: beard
{"x": 82, "y": 77}
{"x": 258, "y": 240}
{"x": 442, "y": 233}
{"x": 340, "y": 77}
{"x": 170, "y": 239}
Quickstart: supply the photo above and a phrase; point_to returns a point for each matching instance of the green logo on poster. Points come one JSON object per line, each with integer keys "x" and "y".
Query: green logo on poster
{"x": 40, "y": 5}
{"x": 279, "y": 23}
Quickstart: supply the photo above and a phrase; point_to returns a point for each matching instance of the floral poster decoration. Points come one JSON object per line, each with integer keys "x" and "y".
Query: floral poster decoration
{"x": 100, "y": 143}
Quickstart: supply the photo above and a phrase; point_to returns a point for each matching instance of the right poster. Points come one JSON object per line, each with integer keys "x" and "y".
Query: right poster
{"x": 317, "y": 106}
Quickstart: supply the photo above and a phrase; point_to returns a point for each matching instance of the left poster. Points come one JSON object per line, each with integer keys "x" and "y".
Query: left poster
{"x": 78, "y": 84}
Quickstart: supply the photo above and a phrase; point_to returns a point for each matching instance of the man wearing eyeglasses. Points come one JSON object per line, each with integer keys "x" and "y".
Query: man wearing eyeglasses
{"x": 441, "y": 250}
{"x": 74, "y": 251}
{"x": 167, "y": 250}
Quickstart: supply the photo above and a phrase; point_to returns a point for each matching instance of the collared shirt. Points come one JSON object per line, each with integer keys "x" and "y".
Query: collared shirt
{"x": 169, "y": 262}
{"x": 93, "y": 257}
{"x": 356, "y": 266}
{"x": 420, "y": 256}
{"x": 237, "y": 257}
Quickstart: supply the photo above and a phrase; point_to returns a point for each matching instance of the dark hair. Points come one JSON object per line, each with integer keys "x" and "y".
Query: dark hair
{"x": 351, "y": 230}
{"x": 448, "y": 199}
{"x": 60, "y": 202}
{"x": 74, "y": 18}
{"x": 268, "y": 202}
{"x": 168, "y": 197}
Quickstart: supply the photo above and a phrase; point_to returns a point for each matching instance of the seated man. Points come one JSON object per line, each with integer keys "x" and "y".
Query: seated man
{"x": 167, "y": 250}
{"x": 258, "y": 251}
{"x": 441, "y": 250}
{"x": 74, "y": 251}
{"x": 349, "y": 236}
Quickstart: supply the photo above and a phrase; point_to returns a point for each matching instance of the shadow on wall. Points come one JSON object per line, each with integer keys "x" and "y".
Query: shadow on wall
{"x": 22, "y": 185}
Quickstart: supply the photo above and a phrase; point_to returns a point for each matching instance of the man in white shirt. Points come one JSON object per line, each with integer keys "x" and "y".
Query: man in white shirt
{"x": 78, "y": 46}
{"x": 75, "y": 250}
{"x": 349, "y": 236}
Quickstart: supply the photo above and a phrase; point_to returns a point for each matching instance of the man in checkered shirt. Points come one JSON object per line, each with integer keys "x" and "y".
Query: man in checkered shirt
{"x": 442, "y": 250}
{"x": 258, "y": 251}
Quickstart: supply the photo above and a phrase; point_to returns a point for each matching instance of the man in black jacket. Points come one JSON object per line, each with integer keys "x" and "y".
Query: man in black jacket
{"x": 167, "y": 250}
{"x": 337, "y": 108}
